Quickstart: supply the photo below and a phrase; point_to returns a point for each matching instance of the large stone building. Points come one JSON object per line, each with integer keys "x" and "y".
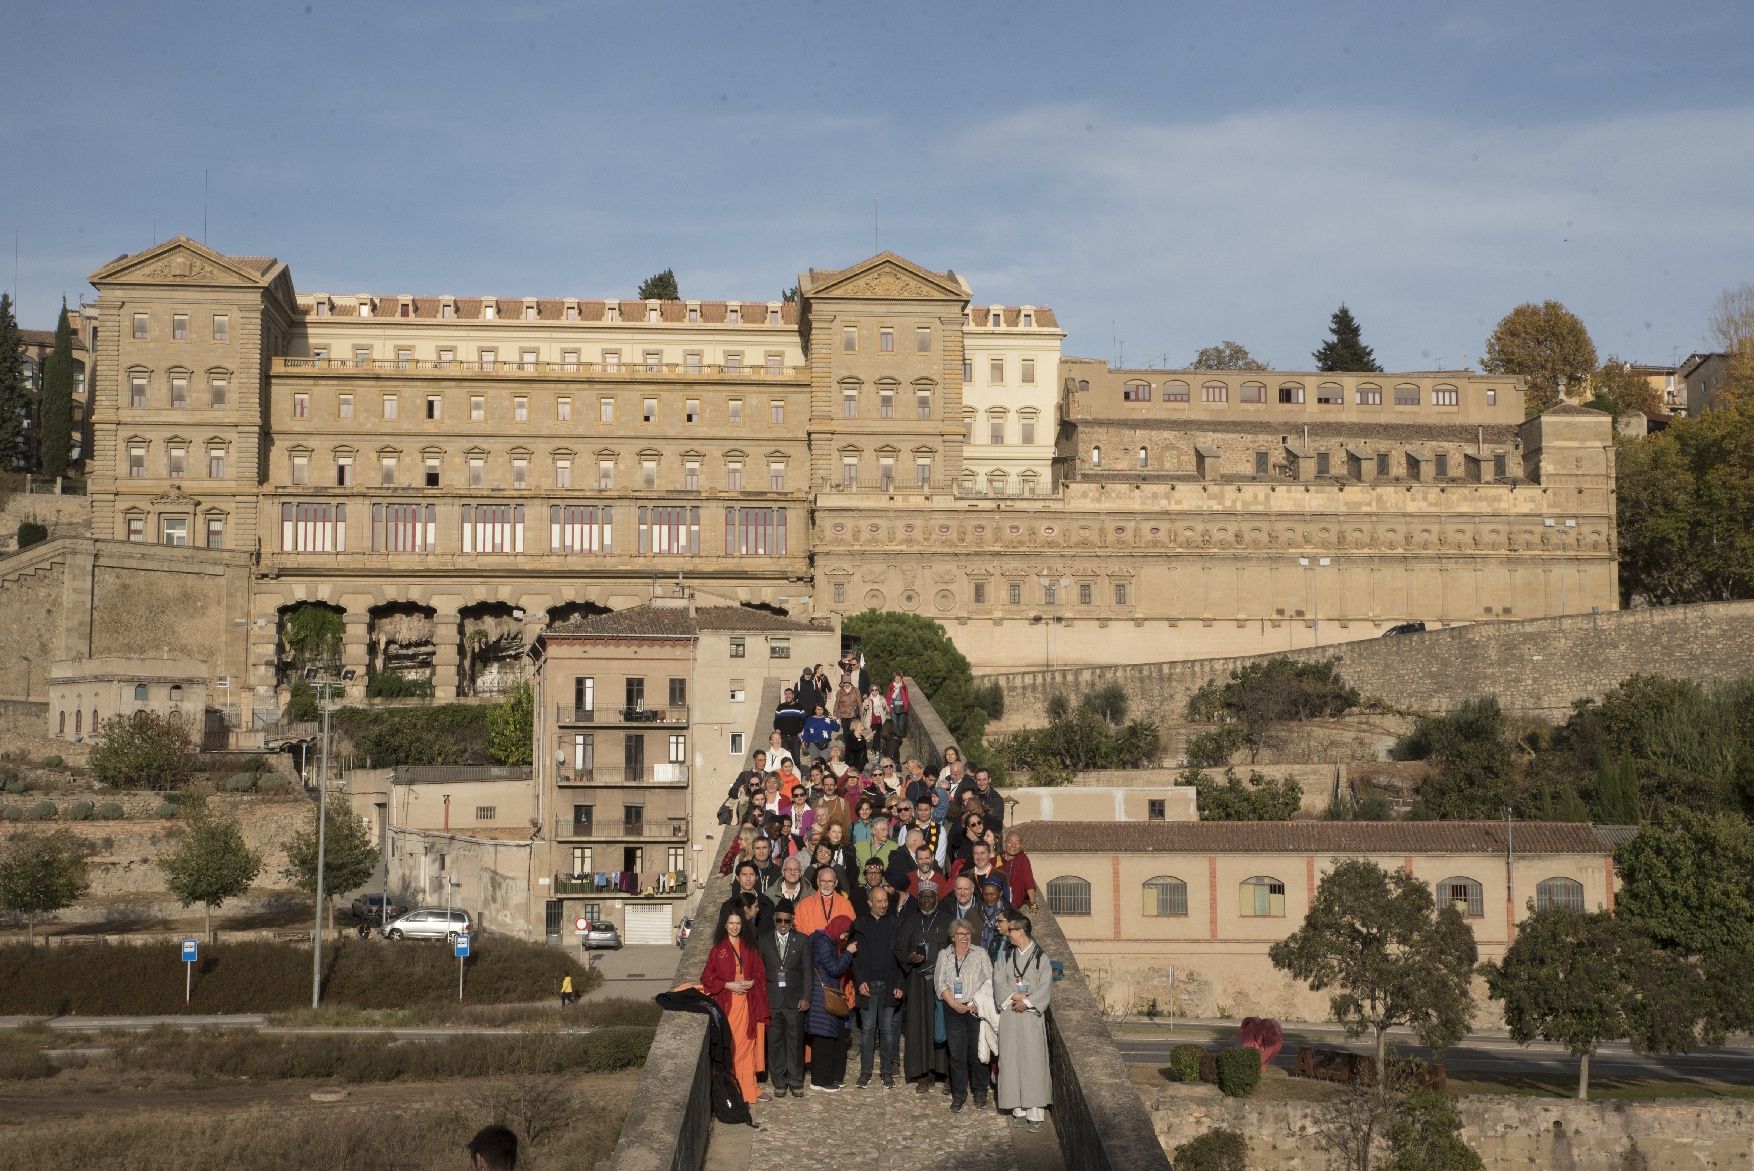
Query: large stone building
{"x": 454, "y": 475}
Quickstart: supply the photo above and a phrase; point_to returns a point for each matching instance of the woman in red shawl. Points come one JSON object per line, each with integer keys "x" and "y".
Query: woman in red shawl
{"x": 734, "y": 977}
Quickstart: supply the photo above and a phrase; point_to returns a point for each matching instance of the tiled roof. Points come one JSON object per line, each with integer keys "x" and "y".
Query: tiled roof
{"x": 1615, "y": 836}
{"x": 981, "y": 315}
{"x": 1308, "y": 837}
{"x": 633, "y": 310}
{"x": 45, "y": 337}
{"x": 256, "y": 264}
{"x": 675, "y": 621}
{"x": 1565, "y": 408}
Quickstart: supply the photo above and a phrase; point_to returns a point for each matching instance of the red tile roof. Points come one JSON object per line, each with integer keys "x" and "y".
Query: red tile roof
{"x": 1308, "y": 837}
{"x": 633, "y": 310}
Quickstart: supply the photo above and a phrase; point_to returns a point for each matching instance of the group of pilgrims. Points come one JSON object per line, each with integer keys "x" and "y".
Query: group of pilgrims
{"x": 883, "y": 902}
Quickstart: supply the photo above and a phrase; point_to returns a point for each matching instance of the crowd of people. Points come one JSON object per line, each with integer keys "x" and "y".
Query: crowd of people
{"x": 877, "y": 903}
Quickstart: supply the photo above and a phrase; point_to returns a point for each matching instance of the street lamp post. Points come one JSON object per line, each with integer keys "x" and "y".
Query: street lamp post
{"x": 1562, "y": 528}
{"x": 325, "y": 688}
{"x": 1315, "y": 597}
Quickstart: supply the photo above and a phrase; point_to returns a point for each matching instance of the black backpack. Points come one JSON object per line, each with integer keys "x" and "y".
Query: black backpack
{"x": 727, "y": 1096}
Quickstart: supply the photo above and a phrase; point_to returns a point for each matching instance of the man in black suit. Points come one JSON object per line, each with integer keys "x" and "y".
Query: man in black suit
{"x": 878, "y": 980}
{"x": 786, "y": 956}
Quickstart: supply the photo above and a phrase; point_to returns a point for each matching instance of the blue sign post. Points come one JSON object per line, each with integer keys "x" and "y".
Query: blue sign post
{"x": 191, "y": 950}
{"x": 461, "y": 947}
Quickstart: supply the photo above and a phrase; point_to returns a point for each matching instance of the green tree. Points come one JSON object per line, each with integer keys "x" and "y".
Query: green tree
{"x": 1578, "y": 979}
{"x": 349, "y": 858}
{"x": 144, "y": 750}
{"x": 510, "y": 725}
{"x": 791, "y": 294}
{"x": 210, "y": 865}
{"x": 1427, "y": 1135}
{"x": 660, "y": 286}
{"x": 918, "y": 648}
{"x": 1279, "y": 690}
{"x": 1548, "y": 346}
{"x": 1687, "y": 881}
{"x": 1617, "y": 793}
{"x": 1226, "y": 356}
{"x": 1345, "y": 351}
{"x": 1108, "y": 701}
{"x": 1390, "y": 955}
{"x": 40, "y": 874}
{"x": 1476, "y": 767}
{"x": 1731, "y": 329}
{"x": 1686, "y": 509}
{"x": 1619, "y": 389}
{"x": 313, "y": 634}
{"x": 1261, "y": 799}
{"x": 14, "y": 393}
{"x": 57, "y": 410}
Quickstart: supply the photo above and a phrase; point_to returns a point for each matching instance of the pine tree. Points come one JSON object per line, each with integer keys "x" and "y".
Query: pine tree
{"x": 57, "y": 413}
{"x": 660, "y": 286}
{"x": 14, "y": 395}
{"x": 1345, "y": 351}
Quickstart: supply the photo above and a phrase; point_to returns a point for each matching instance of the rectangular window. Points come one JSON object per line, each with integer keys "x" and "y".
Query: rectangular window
{"x": 216, "y": 464}
{"x": 313, "y": 528}
{"x": 755, "y": 532}
{"x": 648, "y": 474}
{"x": 849, "y": 471}
{"x": 179, "y": 390}
{"x": 404, "y": 528}
{"x": 1049, "y": 594}
{"x": 996, "y": 371}
{"x": 173, "y": 530}
{"x": 738, "y": 647}
{"x": 344, "y": 471}
{"x": 563, "y": 408}
{"x": 1500, "y": 466}
{"x": 776, "y": 477}
{"x": 923, "y": 404}
{"x": 484, "y": 813}
{"x": 849, "y": 338}
{"x": 1491, "y": 398}
{"x": 520, "y": 472}
{"x": 649, "y": 410}
{"x": 779, "y": 648}
{"x": 221, "y": 327}
{"x": 849, "y": 404}
{"x": 433, "y": 464}
{"x": 387, "y": 471}
{"x": 1263, "y": 463}
{"x": 733, "y": 361}
{"x": 669, "y": 530}
{"x": 678, "y": 746}
{"x": 177, "y": 461}
{"x": 580, "y": 528}
{"x": 435, "y": 406}
{"x": 605, "y": 474}
{"x": 362, "y": 356}
{"x": 886, "y": 340}
{"x": 968, "y": 369}
{"x": 654, "y": 361}
{"x": 301, "y": 469}
{"x": 493, "y": 528}
{"x": 1324, "y": 463}
{"x": 733, "y": 476}
{"x": 391, "y": 406}
{"x": 777, "y": 411}
{"x": 1026, "y": 427}
{"x": 1445, "y": 396}
{"x": 1086, "y": 593}
{"x": 1369, "y": 396}
{"x": 137, "y": 529}
{"x": 520, "y": 409}
{"x": 922, "y": 472}
{"x": 678, "y": 692}
{"x": 733, "y": 315}
{"x": 1014, "y": 593}
{"x": 527, "y": 358}
{"x": 477, "y": 471}
{"x": 218, "y": 392}
{"x": 1441, "y": 459}
{"x": 922, "y": 339}
{"x": 180, "y": 327}
{"x": 477, "y": 408}
{"x": 1029, "y": 371}
{"x": 404, "y": 357}
{"x": 137, "y": 390}
{"x": 1382, "y": 463}
{"x": 569, "y": 359}
{"x": 996, "y": 432}
{"x": 216, "y": 532}
{"x": 886, "y": 404}
{"x": 691, "y": 476}
{"x": 612, "y": 360}
{"x": 980, "y": 593}
{"x": 734, "y": 410}
{"x": 1156, "y": 810}
{"x": 839, "y": 592}
{"x": 140, "y": 327}
{"x": 344, "y": 406}
{"x": 1120, "y": 593}
{"x": 563, "y": 473}
{"x": 736, "y": 744}
{"x": 691, "y": 410}
{"x": 605, "y": 410}
{"x": 691, "y": 361}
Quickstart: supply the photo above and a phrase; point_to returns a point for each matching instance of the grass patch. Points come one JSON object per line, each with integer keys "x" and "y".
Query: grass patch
{"x": 102, "y": 979}
{"x": 1602, "y": 1089}
{"x": 604, "y": 1012}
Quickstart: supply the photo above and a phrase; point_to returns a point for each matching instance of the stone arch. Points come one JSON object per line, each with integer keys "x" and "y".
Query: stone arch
{"x": 565, "y": 612}
{"x": 399, "y": 641}
{"x": 310, "y": 634}
{"x": 492, "y": 656}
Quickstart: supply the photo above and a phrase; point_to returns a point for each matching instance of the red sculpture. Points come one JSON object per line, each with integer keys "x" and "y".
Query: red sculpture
{"x": 1263, "y": 1033}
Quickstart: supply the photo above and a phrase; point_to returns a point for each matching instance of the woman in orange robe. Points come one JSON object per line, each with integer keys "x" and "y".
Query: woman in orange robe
{"x": 734, "y": 977}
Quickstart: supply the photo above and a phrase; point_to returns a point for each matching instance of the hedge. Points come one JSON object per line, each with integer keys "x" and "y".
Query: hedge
{"x": 1239, "y": 1071}
{"x": 1184, "y": 1061}
{"x": 449, "y": 733}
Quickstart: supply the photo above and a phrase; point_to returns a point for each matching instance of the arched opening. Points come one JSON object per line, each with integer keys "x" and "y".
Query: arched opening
{"x": 310, "y": 636}
{"x": 569, "y": 612}
{"x": 399, "y": 650}
{"x": 492, "y": 659}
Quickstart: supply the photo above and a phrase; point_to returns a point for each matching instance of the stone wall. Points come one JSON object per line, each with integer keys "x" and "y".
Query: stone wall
{"x": 63, "y": 516}
{"x": 1505, "y": 1131}
{"x": 1537, "y": 667}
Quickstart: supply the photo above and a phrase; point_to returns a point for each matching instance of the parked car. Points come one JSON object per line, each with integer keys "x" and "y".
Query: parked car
{"x": 602, "y": 935}
{"x": 429, "y": 923}
{"x": 1405, "y": 628}
{"x": 370, "y": 909}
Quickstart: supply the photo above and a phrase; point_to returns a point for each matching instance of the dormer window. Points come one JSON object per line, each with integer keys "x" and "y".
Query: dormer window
{"x": 612, "y": 313}
{"x": 448, "y": 310}
{"x": 694, "y": 315}
{"x": 572, "y": 313}
{"x": 529, "y": 311}
{"x": 773, "y": 314}
{"x": 489, "y": 311}
{"x": 651, "y": 313}
{"x": 1028, "y": 319}
{"x": 365, "y": 306}
{"x": 734, "y": 315}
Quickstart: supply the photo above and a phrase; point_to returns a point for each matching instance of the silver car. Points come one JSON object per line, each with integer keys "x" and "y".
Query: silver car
{"x": 429, "y": 923}
{"x": 602, "y": 935}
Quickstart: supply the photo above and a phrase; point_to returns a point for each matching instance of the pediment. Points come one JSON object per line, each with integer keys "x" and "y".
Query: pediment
{"x": 886, "y": 276}
{"x": 181, "y": 260}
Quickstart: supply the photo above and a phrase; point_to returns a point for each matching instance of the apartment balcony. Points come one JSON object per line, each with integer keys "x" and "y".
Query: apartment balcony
{"x": 648, "y": 776}
{"x": 670, "y": 829}
{"x": 578, "y": 885}
{"x": 513, "y": 368}
{"x": 566, "y": 714}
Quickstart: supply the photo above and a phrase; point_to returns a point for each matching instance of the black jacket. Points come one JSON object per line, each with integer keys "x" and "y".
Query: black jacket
{"x": 788, "y": 719}
{"x": 797, "y": 970}
{"x": 875, "y": 959}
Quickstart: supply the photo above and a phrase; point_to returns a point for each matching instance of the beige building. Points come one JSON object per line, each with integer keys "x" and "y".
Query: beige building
{"x": 85, "y": 692}
{"x": 37, "y": 345}
{"x": 1010, "y": 399}
{"x": 643, "y": 719}
{"x": 1207, "y": 899}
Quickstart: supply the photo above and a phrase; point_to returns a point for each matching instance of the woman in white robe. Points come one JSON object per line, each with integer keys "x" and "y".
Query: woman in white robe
{"x": 1023, "y": 988}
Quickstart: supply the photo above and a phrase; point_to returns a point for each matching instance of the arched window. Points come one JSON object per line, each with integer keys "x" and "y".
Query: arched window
{"x": 79, "y": 727}
{"x": 1165, "y": 897}
{"x": 1068, "y": 895}
{"x": 1559, "y": 894}
{"x": 1291, "y": 392}
{"x": 1254, "y": 392}
{"x": 176, "y": 693}
{"x": 1083, "y": 384}
{"x": 1175, "y": 391}
{"x": 1215, "y": 392}
{"x": 140, "y": 693}
{"x": 93, "y": 721}
{"x": 1096, "y": 456}
{"x": 61, "y": 724}
{"x": 1464, "y": 894}
{"x": 1144, "y": 458}
{"x": 1136, "y": 391}
{"x": 1262, "y": 898}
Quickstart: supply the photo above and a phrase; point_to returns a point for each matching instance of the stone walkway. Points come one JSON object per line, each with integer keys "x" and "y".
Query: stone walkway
{"x": 880, "y": 1129}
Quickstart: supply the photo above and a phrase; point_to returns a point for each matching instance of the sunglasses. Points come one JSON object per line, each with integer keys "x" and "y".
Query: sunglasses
{"x": 782, "y": 918}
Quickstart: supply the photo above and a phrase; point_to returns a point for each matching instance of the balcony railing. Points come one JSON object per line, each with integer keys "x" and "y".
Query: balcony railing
{"x": 568, "y": 714}
{"x": 672, "y": 829}
{"x": 652, "y": 774}
{"x": 583, "y": 884}
{"x": 516, "y": 368}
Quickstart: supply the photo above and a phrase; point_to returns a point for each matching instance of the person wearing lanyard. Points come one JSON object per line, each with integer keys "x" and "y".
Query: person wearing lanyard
{"x": 816, "y": 911}
{"x": 962, "y": 972}
{"x": 786, "y": 956}
{"x": 922, "y": 934}
{"x": 734, "y": 977}
{"x": 1023, "y": 988}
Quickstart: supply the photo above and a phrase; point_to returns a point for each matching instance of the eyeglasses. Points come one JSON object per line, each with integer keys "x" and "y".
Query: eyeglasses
{"x": 781, "y": 920}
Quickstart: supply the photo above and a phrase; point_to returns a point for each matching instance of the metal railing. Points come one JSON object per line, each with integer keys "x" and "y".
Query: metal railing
{"x": 568, "y": 714}
{"x": 575, "y": 884}
{"x": 673, "y": 829}
{"x": 653, "y": 774}
{"x": 514, "y": 368}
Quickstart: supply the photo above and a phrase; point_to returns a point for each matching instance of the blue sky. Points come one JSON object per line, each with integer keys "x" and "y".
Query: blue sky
{"x": 1165, "y": 175}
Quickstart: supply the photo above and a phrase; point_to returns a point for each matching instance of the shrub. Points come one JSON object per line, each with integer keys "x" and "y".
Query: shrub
{"x": 440, "y": 734}
{"x": 20, "y": 1064}
{"x": 31, "y": 533}
{"x": 17, "y": 785}
{"x": 1222, "y": 1149}
{"x": 53, "y": 761}
{"x": 390, "y": 685}
{"x": 241, "y": 783}
{"x": 1184, "y": 1061}
{"x": 1215, "y": 747}
{"x": 108, "y": 811}
{"x": 165, "y": 810}
{"x": 11, "y": 813}
{"x": 1239, "y": 1071}
{"x": 79, "y": 811}
{"x": 143, "y": 750}
{"x": 41, "y": 811}
{"x": 1262, "y": 799}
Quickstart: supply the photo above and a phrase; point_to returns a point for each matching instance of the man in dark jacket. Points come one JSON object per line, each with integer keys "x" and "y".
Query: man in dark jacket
{"x": 788, "y": 721}
{"x": 804, "y": 691}
{"x": 786, "y": 956}
{"x": 877, "y": 979}
{"x": 749, "y": 882}
{"x": 921, "y": 934}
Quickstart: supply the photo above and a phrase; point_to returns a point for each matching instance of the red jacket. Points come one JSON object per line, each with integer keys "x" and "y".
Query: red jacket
{"x": 721, "y": 968}
{"x": 1021, "y": 876}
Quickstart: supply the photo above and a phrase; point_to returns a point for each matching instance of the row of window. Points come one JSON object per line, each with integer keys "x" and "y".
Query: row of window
{"x": 1367, "y": 394}
{"x": 632, "y": 309}
{"x": 996, "y": 370}
{"x": 998, "y": 426}
{"x": 176, "y": 528}
{"x": 529, "y": 359}
{"x": 178, "y": 381}
{"x": 1418, "y": 465}
{"x": 1264, "y": 897}
{"x": 1052, "y": 593}
{"x": 433, "y": 407}
{"x": 573, "y": 529}
{"x": 218, "y": 327}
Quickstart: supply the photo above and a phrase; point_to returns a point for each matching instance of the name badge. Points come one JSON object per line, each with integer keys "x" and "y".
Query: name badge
{"x": 956, "y": 990}
{"x": 782, "y": 979}
{"x": 1023, "y": 987}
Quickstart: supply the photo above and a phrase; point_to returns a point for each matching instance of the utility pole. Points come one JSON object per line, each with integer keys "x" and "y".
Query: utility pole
{"x": 325, "y": 688}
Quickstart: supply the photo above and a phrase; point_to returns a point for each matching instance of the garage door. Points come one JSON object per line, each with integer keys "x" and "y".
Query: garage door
{"x": 648, "y": 925}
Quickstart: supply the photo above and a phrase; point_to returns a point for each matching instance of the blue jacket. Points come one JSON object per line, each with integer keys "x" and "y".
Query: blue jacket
{"x": 820, "y": 729}
{"x": 827, "y": 963}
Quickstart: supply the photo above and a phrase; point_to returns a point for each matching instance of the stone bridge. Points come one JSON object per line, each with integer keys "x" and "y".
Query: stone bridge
{"x": 1098, "y": 1121}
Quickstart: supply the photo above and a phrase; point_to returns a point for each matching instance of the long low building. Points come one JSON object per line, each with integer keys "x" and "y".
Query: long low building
{"x": 1178, "y": 916}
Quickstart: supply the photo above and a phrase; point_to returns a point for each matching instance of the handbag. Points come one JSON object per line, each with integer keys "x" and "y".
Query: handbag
{"x": 834, "y": 1003}
{"x": 726, "y": 817}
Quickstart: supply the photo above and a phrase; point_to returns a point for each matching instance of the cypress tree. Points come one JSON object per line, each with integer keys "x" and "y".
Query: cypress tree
{"x": 57, "y": 412}
{"x": 1345, "y": 351}
{"x": 14, "y": 395}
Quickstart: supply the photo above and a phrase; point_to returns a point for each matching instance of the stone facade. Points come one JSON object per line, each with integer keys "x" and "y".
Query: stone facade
{"x": 85, "y": 692}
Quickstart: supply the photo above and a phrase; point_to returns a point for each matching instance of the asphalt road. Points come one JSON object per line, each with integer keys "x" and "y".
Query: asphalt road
{"x": 1478, "y": 1056}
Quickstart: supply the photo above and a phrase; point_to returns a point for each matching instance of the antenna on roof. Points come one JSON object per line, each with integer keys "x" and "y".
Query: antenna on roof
{"x": 874, "y": 245}
{"x": 203, "y": 205}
